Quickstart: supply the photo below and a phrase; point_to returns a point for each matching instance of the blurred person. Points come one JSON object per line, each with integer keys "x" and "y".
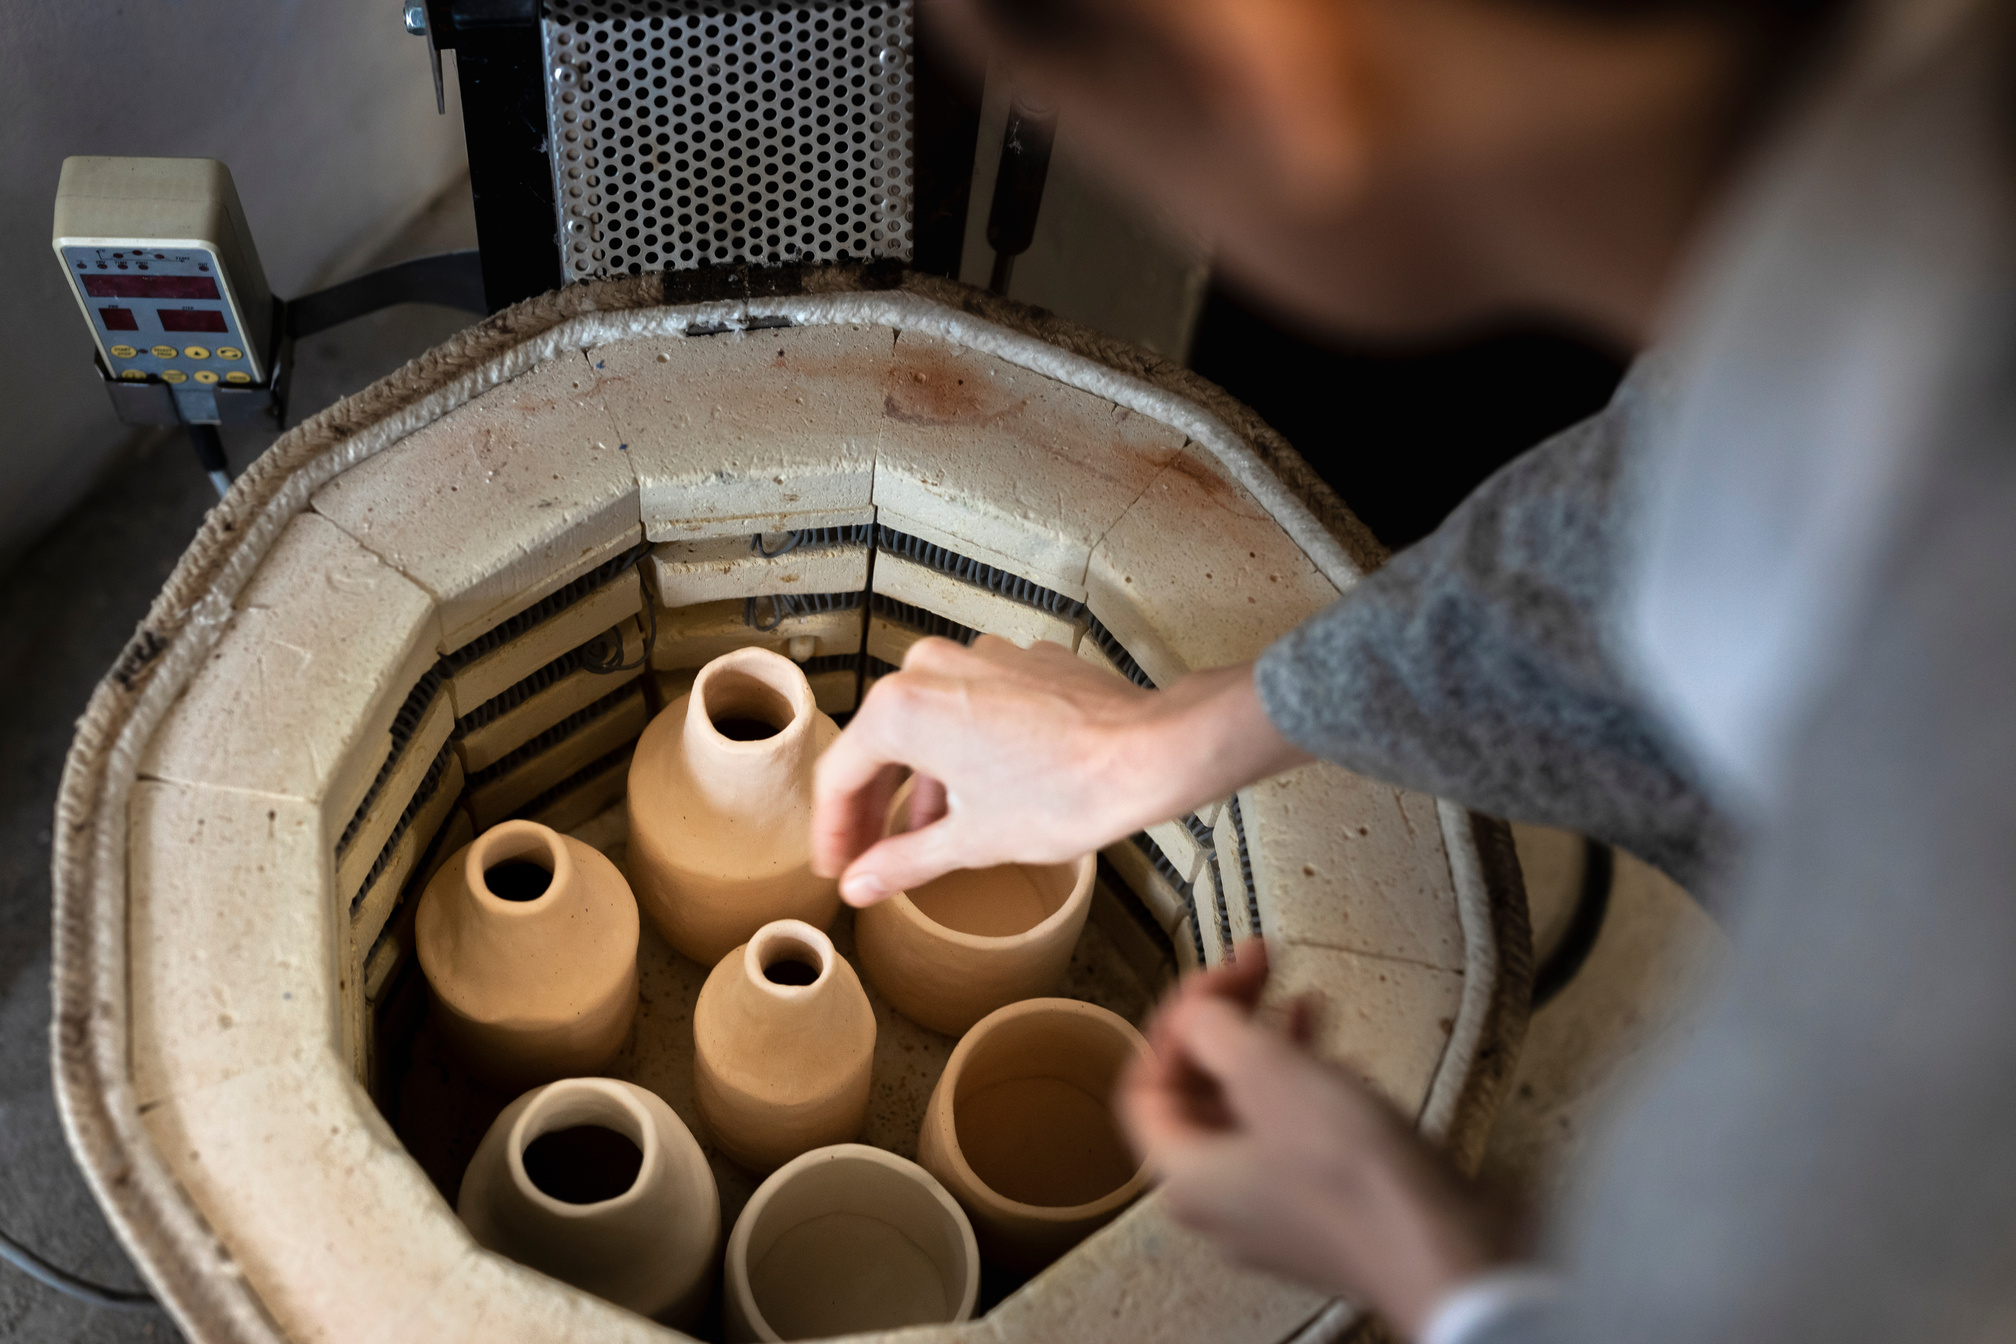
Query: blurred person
{"x": 1755, "y": 623}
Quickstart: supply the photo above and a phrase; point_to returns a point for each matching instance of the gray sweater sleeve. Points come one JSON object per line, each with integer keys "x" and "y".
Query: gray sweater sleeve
{"x": 1475, "y": 665}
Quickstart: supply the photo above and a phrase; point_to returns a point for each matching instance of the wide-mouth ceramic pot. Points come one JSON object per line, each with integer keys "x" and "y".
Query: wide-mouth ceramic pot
{"x": 1020, "y": 1127}
{"x": 950, "y": 951}
{"x": 597, "y": 1182}
{"x": 848, "y": 1239}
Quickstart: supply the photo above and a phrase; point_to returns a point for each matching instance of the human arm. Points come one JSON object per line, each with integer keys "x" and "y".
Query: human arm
{"x": 1027, "y": 755}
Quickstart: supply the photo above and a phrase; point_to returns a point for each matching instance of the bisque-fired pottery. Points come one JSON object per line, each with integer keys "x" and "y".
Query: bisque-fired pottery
{"x": 1020, "y": 1127}
{"x": 528, "y": 939}
{"x": 783, "y": 1041}
{"x": 721, "y": 806}
{"x": 951, "y": 951}
{"x": 597, "y": 1183}
{"x": 844, "y": 1240}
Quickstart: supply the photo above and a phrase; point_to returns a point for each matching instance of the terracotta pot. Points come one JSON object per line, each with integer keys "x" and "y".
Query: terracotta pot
{"x": 1021, "y": 1130}
{"x": 529, "y": 941}
{"x": 848, "y": 1239}
{"x": 953, "y": 950}
{"x": 721, "y": 806}
{"x": 783, "y": 1042}
{"x": 597, "y": 1183}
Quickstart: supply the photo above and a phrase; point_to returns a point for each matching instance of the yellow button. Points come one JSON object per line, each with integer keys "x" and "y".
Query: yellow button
{"x": 123, "y": 352}
{"x": 164, "y": 352}
{"x": 134, "y": 373}
{"x": 229, "y": 352}
{"x": 174, "y": 376}
{"x": 205, "y": 376}
{"x": 197, "y": 352}
{"x": 237, "y": 376}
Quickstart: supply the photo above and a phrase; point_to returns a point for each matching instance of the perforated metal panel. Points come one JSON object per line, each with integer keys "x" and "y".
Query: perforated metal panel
{"x": 688, "y": 135}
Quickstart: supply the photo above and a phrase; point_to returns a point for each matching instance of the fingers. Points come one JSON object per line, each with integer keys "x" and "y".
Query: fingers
{"x": 898, "y": 863}
{"x": 927, "y": 803}
{"x": 1251, "y": 1067}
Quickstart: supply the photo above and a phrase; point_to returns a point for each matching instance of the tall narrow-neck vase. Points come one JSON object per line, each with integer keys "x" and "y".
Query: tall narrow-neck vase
{"x": 721, "y": 806}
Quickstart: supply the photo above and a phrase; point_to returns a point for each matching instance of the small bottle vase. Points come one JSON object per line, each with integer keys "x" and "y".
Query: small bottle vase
{"x": 721, "y": 806}
{"x": 552, "y": 1186}
{"x": 528, "y": 939}
{"x": 784, "y": 1040}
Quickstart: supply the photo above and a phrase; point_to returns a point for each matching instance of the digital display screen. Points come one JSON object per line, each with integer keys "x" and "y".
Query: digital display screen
{"x": 118, "y": 319}
{"x": 129, "y": 286}
{"x": 193, "y": 319}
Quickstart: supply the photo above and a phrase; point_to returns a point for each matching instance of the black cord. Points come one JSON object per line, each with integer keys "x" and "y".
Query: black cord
{"x": 40, "y": 1270}
{"x": 1592, "y": 903}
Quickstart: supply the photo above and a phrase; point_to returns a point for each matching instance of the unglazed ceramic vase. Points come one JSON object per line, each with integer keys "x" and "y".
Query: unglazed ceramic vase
{"x": 597, "y": 1183}
{"x": 1021, "y": 1130}
{"x": 721, "y": 806}
{"x": 528, "y": 939}
{"x": 783, "y": 1041}
{"x": 844, "y": 1240}
{"x": 950, "y": 952}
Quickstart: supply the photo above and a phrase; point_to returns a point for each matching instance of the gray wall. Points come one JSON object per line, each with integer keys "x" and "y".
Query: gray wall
{"x": 1104, "y": 260}
{"x": 323, "y": 109}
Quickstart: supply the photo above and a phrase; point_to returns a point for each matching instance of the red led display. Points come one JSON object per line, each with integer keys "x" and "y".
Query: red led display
{"x": 193, "y": 319}
{"x": 131, "y": 286}
{"x": 118, "y": 319}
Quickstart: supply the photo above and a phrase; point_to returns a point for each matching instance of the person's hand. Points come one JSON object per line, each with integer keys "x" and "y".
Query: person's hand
{"x": 1293, "y": 1165}
{"x": 1024, "y": 756}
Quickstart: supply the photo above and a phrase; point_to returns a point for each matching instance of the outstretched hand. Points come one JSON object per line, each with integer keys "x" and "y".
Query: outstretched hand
{"x": 1293, "y": 1165}
{"x": 1024, "y": 756}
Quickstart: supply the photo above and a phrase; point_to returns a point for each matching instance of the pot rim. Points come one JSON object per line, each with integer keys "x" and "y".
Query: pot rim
{"x": 1117, "y": 1198}
{"x": 478, "y": 859}
{"x": 1081, "y": 894}
{"x": 613, "y": 1090}
{"x": 796, "y": 930}
{"x": 760, "y": 665}
{"x": 736, "y": 1252}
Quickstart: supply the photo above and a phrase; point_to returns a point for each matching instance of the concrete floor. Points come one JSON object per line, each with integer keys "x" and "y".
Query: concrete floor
{"x": 71, "y": 603}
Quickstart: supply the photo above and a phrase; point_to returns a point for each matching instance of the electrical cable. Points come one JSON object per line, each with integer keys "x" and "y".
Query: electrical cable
{"x": 98, "y": 1295}
{"x": 1592, "y": 904}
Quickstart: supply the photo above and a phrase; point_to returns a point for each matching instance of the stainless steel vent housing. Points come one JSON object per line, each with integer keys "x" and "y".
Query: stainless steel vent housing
{"x": 686, "y": 135}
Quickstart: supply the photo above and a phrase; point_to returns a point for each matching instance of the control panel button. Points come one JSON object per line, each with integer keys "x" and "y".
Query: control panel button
{"x": 205, "y": 376}
{"x": 229, "y": 352}
{"x": 123, "y": 352}
{"x": 134, "y": 373}
{"x": 237, "y": 376}
{"x": 197, "y": 352}
{"x": 164, "y": 352}
{"x": 174, "y": 376}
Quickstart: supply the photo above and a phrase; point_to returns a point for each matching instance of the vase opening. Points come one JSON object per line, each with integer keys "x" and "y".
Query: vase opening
{"x": 518, "y": 862}
{"x": 998, "y": 902}
{"x": 583, "y": 1164}
{"x": 790, "y": 971}
{"x": 1033, "y": 1110}
{"x": 517, "y": 880}
{"x": 742, "y": 707}
{"x": 788, "y": 959}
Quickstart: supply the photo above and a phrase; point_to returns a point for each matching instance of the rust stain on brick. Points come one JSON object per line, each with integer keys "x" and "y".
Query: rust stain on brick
{"x": 926, "y": 388}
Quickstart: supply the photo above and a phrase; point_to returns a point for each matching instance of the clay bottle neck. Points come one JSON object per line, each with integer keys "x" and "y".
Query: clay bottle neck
{"x": 787, "y": 973}
{"x": 565, "y": 1175}
{"x": 748, "y": 737}
{"x": 521, "y": 877}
